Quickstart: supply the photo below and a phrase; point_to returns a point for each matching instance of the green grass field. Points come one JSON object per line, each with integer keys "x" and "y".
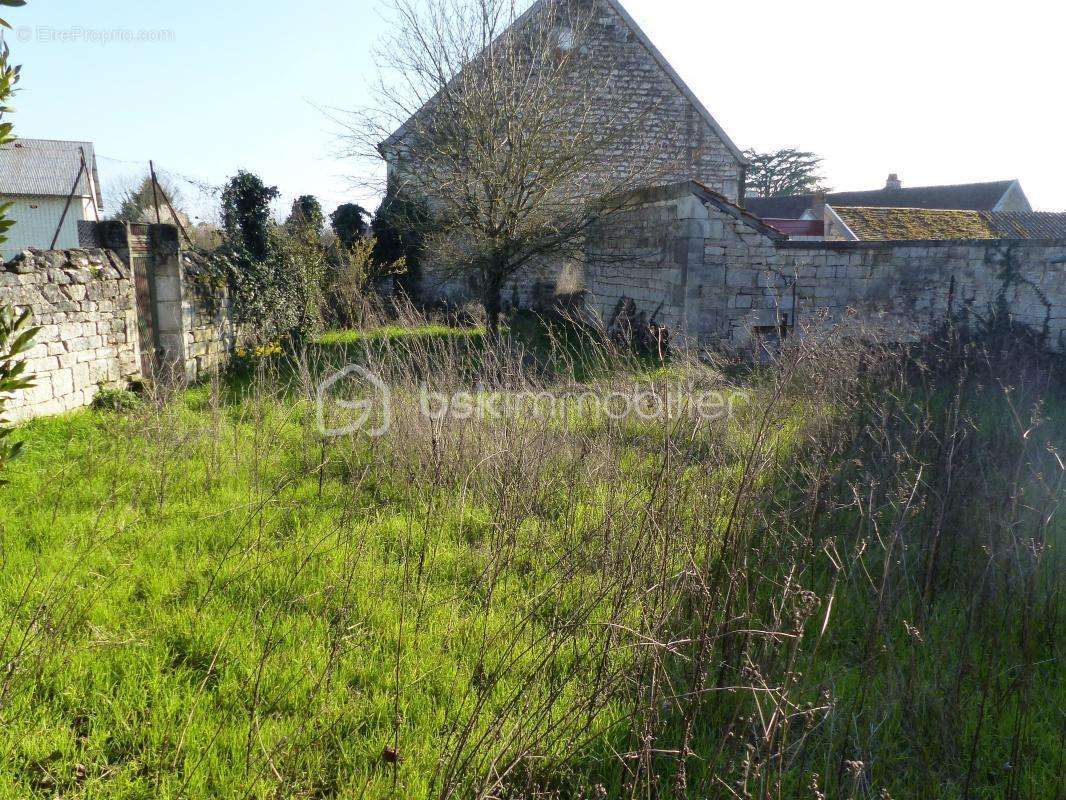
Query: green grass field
{"x": 203, "y": 599}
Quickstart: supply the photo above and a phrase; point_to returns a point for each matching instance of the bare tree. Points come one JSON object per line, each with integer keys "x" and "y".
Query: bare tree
{"x": 503, "y": 124}
{"x": 783, "y": 172}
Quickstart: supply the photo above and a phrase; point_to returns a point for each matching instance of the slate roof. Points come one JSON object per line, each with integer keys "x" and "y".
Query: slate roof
{"x": 961, "y": 197}
{"x": 791, "y": 206}
{"x": 798, "y": 227}
{"x": 1028, "y": 225}
{"x": 919, "y": 224}
{"x": 46, "y": 167}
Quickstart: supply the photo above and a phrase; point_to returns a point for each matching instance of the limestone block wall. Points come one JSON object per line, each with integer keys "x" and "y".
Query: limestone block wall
{"x": 690, "y": 255}
{"x": 907, "y": 288}
{"x": 195, "y": 333}
{"x": 209, "y": 334}
{"x": 84, "y": 303}
{"x": 642, "y": 254}
{"x": 720, "y": 277}
{"x": 111, "y": 316}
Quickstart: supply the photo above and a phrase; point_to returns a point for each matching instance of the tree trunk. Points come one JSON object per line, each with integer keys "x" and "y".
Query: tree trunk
{"x": 492, "y": 300}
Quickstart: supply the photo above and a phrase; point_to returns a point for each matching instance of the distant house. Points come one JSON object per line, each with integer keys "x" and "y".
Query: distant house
{"x": 995, "y": 196}
{"x": 37, "y": 176}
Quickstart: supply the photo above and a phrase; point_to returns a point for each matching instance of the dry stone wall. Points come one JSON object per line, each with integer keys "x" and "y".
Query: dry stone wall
{"x": 84, "y": 303}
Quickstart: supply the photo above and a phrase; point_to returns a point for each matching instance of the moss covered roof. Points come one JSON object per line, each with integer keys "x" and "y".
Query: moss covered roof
{"x": 905, "y": 224}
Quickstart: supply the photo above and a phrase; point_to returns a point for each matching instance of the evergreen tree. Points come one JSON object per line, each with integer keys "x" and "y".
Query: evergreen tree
{"x": 246, "y": 214}
{"x": 306, "y": 215}
{"x": 349, "y": 223}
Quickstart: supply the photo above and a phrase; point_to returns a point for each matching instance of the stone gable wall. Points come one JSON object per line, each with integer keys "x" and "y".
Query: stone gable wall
{"x": 633, "y": 82}
{"x": 84, "y": 303}
{"x": 672, "y": 143}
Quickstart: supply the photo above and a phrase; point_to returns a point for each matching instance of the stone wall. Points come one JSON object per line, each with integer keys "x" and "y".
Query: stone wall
{"x": 721, "y": 278}
{"x": 641, "y": 254}
{"x": 907, "y": 288}
{"x": 110, "y": 316}
{"x": 84, "y": 303}
{"x": 195, "y": 332}
{"x": 632, "y": 81}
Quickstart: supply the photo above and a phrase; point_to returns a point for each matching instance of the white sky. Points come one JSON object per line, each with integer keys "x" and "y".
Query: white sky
{"x": 938, "y": 91}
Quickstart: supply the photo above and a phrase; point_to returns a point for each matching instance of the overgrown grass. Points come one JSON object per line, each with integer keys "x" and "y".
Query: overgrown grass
{"x": 347, "y": 337}
{"x": 851, "y": 586}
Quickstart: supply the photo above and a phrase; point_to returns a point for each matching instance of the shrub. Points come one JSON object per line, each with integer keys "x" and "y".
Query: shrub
{"x": 398, "y": 228}
{"x": 15, "y": 335}
{"x": 306, "y": 214}
{"x": 352, "y": 279}
{"x": 246, "y": 214}
{"x": 116, "y": 400}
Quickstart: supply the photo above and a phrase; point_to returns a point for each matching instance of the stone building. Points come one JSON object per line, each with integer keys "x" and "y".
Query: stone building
{"x": 622, "y": 84}
{"x": 692, "y": 254}
{"x": 635, "y": 79}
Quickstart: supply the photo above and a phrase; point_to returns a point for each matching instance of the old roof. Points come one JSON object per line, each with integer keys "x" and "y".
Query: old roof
{"x": 917, "y": 224}
{"x": 908, "y": 224}
{"x": 645, "y": 41}
{"x": 46, "y": 167}
{"x": 960, "y": 197}
{"x": 1028, "y": 225}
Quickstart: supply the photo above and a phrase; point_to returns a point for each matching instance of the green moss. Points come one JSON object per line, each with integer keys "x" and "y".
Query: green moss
{"x": 915, "y": 224}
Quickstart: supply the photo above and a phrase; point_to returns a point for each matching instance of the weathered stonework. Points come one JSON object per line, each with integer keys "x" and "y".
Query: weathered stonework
{"x": 635, "y": 82}
{"x": 194, "y": 337}
{"x": 717, "y": 276}
{"x": 625, "y": 79}
{"x": 95, "y": 333}
{"x": 83, "y": 301}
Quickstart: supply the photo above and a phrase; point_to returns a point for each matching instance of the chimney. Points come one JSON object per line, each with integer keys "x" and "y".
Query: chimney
{"x": 818, "y": 205}
{"x": 894, "y": 184}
